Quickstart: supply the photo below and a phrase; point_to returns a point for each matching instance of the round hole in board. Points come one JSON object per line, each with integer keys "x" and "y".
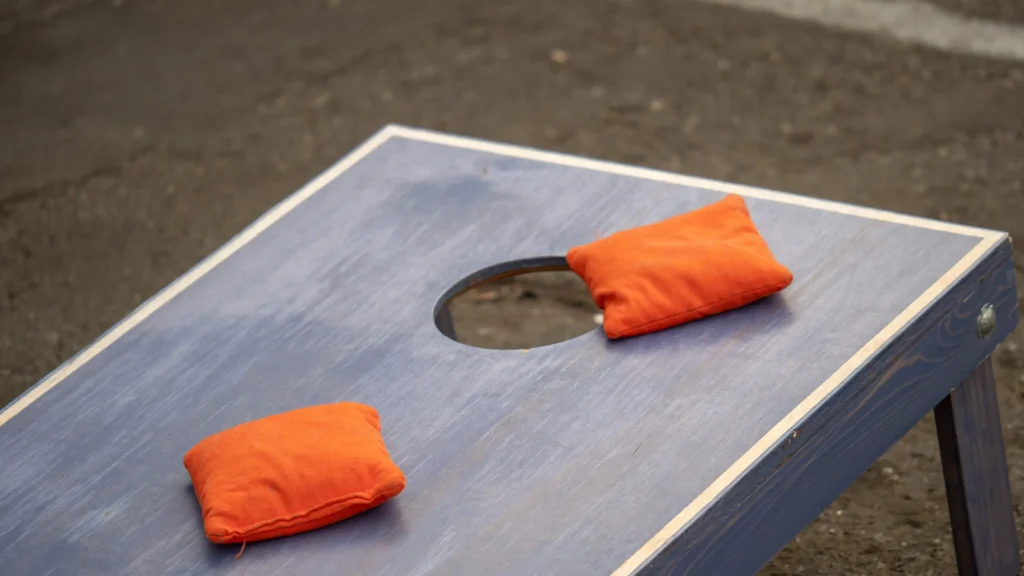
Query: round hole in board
{"x": 517, "y": 305}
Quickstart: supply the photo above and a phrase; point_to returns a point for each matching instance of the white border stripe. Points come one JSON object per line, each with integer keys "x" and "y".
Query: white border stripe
{"x": 691, "y": 181}
{"x": 776, "y": 434}
{"x": 787, "y": 424}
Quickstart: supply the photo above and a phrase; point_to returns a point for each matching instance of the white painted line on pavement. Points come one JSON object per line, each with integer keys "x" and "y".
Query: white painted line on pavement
{"x": 909, "y": 21}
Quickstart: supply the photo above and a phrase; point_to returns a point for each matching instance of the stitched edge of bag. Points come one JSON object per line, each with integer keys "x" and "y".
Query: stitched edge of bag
{"x": 768, "y": 289}
{"x": 254, "y": 530}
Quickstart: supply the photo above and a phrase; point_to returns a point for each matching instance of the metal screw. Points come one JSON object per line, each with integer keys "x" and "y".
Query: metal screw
{"x": 986, "y": 321}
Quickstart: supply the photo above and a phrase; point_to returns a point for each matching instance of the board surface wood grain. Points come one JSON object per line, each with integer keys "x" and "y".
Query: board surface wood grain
{"x": 660, "y": 453}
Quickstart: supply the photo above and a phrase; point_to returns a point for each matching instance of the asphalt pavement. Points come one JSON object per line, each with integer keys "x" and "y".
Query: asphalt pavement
{"x": 136, "y": 137}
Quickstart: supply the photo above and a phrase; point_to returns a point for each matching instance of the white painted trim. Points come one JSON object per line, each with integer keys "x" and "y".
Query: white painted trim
{"x": 785, "y": 426}
{"x": 775, "y": 435}
{"x": 683, "y": 180}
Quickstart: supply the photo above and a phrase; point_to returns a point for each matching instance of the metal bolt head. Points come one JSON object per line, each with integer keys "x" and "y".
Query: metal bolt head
{"x": 986, "y": 321}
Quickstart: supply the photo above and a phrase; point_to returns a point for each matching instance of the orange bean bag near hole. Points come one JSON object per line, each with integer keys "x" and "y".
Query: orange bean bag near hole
{"x": 686, "y": 267}
{"x": 292, "y": 472}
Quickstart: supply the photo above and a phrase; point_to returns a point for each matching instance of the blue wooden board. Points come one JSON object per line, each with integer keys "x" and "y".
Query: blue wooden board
{"x": 584, "y": 457}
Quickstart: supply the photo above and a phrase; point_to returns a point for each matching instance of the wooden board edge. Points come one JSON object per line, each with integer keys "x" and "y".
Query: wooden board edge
{"x": 147, "y": 308}
{"x": 790, "y": 482}
{"x": 527, "y": 153}
{"x": 784, "y": 428}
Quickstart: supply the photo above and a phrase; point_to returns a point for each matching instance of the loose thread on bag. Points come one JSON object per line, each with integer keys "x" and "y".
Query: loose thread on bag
{"x": 239, "y": 555}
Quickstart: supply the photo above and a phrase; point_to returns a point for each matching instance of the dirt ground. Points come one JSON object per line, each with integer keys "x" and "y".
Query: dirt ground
{"x": 139, "y": 136}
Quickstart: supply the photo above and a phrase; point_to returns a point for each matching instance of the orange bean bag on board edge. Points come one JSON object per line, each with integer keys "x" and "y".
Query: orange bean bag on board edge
{"x": 292, "y": 472}
{"x": 687, "y": 267}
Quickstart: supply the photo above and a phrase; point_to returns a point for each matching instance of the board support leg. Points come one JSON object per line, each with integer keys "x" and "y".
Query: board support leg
{"x": 977, "y": 479}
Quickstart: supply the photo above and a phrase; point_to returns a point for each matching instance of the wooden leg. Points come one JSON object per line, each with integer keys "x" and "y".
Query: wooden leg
{"x": 977, "y": 480}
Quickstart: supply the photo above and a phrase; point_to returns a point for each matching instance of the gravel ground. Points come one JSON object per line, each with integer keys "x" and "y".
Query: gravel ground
{"x": 139, "y": 136}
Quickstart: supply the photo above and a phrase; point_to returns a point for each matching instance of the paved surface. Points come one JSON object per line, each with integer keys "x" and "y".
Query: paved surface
{"x": 999, "y": 10}
{"x": 139, "y": 136}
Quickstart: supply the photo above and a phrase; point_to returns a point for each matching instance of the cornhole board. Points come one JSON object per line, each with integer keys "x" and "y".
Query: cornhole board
{"x": 702, "y": 449}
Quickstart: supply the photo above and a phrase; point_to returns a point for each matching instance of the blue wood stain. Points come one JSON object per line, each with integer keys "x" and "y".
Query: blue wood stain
{"x": 849, "y": 431}
{"x": 562, "y": 460}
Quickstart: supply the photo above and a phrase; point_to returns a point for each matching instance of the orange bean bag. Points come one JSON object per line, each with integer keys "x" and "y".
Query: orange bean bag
{"x": 686, "y": 267}
{"x": 292, "y": 472}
